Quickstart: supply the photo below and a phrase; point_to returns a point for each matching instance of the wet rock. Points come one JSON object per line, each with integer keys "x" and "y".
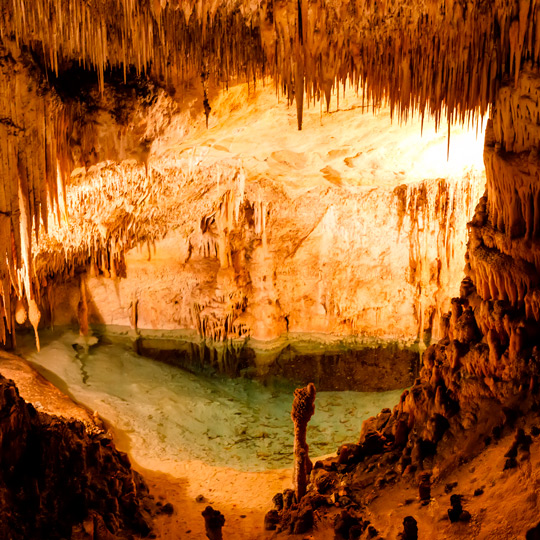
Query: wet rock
{"x": 410, "y": 529}
{"x": 213, "y": 523}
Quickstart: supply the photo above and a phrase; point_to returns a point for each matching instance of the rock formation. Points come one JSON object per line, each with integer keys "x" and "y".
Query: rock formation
{"x": 63, "y": 479}
{"x": 483, "y": 374}
{"x": 213, "y": 522}
{"x": 302, "y": 411}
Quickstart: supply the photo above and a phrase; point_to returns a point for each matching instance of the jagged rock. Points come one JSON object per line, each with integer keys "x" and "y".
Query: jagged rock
{"x": 45, "y": 458}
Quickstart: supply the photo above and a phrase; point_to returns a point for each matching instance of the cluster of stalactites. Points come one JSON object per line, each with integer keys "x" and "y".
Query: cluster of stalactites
{"x": 172, "y": 39}
{"x": 429, "y": 56}
{"x": 32, "y": 169}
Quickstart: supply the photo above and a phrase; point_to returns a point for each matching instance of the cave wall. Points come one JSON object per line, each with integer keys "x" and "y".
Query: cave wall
{"x": 484, "y": 373}
{"x": 251, "y": 259}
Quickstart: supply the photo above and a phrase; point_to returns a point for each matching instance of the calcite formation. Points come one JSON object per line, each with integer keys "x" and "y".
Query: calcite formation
{"x": 448, "y": 58}
{"x": 302, "y": 411}
{"x": 63, "y": 479}
{"x": 222, "y": 275}
{"x": 236, "y": 239}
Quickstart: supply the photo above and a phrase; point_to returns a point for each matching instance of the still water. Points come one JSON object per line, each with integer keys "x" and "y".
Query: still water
{"x": 176, "y": 415}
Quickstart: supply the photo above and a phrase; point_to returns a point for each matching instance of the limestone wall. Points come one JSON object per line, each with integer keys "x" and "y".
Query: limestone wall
{"x": 253, "y": 260}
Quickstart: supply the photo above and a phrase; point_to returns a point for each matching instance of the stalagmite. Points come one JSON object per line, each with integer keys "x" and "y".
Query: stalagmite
{"x": 302, "y": 410}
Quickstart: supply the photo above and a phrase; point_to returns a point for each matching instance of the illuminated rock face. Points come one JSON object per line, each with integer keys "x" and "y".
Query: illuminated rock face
{"x": 436, "y": 57}
{"x": 334, "y": 233}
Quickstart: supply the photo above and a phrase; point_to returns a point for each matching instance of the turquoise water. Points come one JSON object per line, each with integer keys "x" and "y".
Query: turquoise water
{"x": 176, "y": 415}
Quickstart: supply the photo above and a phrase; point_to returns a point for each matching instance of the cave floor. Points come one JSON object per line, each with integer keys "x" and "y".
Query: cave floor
{"x": 243, "y": 497}
{"x": 507, "y": 507}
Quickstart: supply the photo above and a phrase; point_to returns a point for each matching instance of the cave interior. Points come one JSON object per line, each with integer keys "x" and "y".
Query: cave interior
{"x": 337, "y": 196}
